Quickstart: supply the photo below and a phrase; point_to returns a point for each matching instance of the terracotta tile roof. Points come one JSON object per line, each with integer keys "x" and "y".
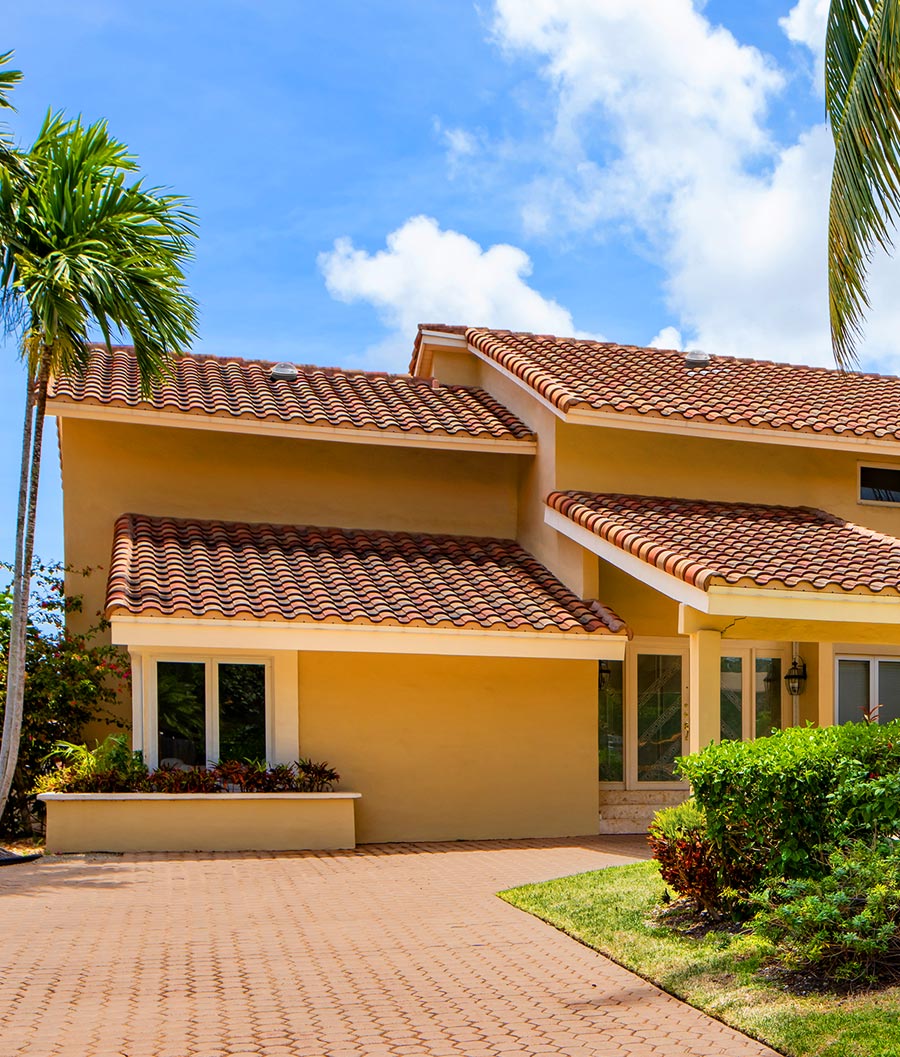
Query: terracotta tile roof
{"x": 179, "y": 567}
{"x": 320, "y": 396}
{"x": 743, "y": 544}
{"x": 652, "y": 383}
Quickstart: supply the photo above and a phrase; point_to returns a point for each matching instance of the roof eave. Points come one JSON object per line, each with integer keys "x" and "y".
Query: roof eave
{"x": 63, "y": 408}
{"x": 150, "y": 632}
{"x": 717, "y": 599}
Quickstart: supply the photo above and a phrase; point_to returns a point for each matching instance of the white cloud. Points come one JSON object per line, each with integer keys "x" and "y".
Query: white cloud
{"x": 668, "y": 338}
{"x": 662, "y": 122}
{"x": 805, "y": 24}
{"x": 460, "y": 145}
{"x": 673, "y": 94}
{"x": 459, "y": 142}
{"x": 429, "y": 275}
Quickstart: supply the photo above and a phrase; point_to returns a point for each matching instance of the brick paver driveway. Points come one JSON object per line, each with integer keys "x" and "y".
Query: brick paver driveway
{"x": 395, "y": 949}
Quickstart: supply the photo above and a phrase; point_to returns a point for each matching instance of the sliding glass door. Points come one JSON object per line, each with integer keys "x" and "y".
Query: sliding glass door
{"x": 656, "y": 697}
{"x": 752, "y": 696}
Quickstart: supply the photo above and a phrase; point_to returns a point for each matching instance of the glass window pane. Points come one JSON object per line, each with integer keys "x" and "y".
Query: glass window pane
{"x": 181, "y": 711}
{"x": 731, "y": 699}
{"x": 609, "y": 725}
{"x": 888, "y": 691}
{"x": 242, "y": 711}
{"x": 878, "y": 484}
{"x": 659, "y": 716}
{"x": 853, "y": 691}
{"x": 768, "y": 695}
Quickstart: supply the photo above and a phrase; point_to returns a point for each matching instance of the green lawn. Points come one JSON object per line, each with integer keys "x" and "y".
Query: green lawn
{"x": 610, "y": 910}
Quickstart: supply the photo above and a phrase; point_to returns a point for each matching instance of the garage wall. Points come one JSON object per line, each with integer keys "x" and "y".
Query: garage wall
{"x": 450, "y": 748}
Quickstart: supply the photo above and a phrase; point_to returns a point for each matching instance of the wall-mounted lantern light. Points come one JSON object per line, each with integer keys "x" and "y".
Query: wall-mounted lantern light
{"x": 795, "y": 679}
{"x": 605, "y": 673}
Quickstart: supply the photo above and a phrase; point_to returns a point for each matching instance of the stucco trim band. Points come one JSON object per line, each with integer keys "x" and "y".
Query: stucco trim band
{"x": 62, "y": 408}
{"x": 231, "y": 634}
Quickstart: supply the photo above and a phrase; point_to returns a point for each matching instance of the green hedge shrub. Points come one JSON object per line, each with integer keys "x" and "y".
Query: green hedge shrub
{"x": 688, "y": 860}
{"x": 843, "y": 927}
{"x": 778, "y": 806}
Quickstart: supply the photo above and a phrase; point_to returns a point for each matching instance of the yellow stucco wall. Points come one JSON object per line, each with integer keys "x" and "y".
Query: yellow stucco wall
{"x": 111, "y": 468}
{"x": 600, "y": 459}
{"x": 217, "y": 822}
{"x": 447, "y": 748}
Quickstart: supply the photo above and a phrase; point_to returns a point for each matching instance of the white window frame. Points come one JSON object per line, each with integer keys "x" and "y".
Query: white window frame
{"x": 873, "y": 655}
{"x": 860, "y": 466}
{"x": 748, "y": 652}
{"x": 661, "y": 647}
{"x": 621, "y": 785}
{"x": 210, "y": 661}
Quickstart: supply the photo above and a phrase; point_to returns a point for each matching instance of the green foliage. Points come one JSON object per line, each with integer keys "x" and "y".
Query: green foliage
{"x": 683, "y": 820}
{"x": 844, "y": 926}
{"x": 862, "y": 96}
{"x": 84, "y": 244}
{"x": 688, "y": 859}
{"x": 72, "y": 679}
{"x": 111, "y": 767}
{"x": 779, "y": 805}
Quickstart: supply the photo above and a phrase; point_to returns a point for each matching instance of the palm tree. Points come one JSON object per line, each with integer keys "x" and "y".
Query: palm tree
{"x": 862, "y": 97}
{"x": 82, "y": 250}
{"x": 9, "y": 156}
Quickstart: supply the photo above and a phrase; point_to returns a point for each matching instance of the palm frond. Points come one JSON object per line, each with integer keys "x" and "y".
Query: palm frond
{"x": 8, "y": 80}
{"x": 10, "y": 159}
{"x": 862, "y": 97}
{"x": 87, "y": 248}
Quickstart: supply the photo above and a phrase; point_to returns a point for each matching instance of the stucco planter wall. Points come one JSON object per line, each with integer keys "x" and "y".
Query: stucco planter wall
{"x": 135, "y": 822}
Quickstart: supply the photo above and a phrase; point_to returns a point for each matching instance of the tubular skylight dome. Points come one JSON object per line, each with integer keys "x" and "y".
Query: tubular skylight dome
{"x": 284, "y": 372}
{"x": 696, "y": 358}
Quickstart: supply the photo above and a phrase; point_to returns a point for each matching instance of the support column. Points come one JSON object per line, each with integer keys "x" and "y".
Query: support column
{"x": 285, "y": 720}
{"x": 826, "y": 687}
{"x": 137, "y": 701}
{"x": 704, "y": 689}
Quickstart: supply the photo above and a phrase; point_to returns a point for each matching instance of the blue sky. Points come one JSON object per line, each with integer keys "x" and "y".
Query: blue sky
{"x": 641, "y": 171}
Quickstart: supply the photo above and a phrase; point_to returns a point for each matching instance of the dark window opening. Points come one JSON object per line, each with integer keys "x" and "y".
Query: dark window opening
{"x": 879, "y": 485}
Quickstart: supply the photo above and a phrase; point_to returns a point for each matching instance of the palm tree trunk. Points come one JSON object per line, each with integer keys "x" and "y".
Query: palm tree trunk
{"x": 32, "y": 437}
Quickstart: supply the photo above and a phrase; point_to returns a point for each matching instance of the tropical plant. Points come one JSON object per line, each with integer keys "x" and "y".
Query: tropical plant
{"x": 83, "y": 247}
{"x": 862, "y": 97}
{"x": 111, "y": 767}
{"x": 10, "y": 159}
{"x": 688, "y": 859}
{"x": 73, "y": 678}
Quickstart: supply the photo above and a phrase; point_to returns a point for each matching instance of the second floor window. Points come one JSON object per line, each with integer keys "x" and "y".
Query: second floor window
{"x": 879, "y": 484}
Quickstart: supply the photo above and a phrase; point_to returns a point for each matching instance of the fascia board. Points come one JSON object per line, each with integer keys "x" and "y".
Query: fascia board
{"x": 794, "y": 604}
{"x": 648, "y": 574}
{"x": 678, "y": 427}
{"x": 265, "y": 427}
{"x": 229, "y": 634}
{"x": 726, "y": 601}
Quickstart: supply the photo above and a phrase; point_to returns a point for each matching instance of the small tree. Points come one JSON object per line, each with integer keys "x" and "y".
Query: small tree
{"x": 72, "y": 679}
{"x": 80, "y": 249}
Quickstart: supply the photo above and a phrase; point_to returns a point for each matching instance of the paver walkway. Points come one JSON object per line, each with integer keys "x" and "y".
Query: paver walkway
{"x": 391, "y": 950}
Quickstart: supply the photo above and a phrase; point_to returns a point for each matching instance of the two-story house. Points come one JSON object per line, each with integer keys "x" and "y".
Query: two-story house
{"x": 503, "y": 593}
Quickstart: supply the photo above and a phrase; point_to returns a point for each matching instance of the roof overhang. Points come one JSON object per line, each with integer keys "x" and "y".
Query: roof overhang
{"x": 583, "y": 415}
{"x": 160, "y": 632}
{"x": 292, "y": 429}
{"x": 728, "y": 601}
